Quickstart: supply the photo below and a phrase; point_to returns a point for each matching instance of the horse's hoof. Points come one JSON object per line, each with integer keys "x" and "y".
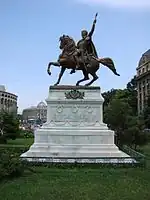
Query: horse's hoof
{"x": 49, "y": 73}
{"x": 86, "y": 84}
{"x": 55, "y": 84}
{"x": 77, "y": 84}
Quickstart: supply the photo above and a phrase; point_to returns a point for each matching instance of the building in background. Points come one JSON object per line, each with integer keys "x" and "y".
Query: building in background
{"x": 143, "y": 80}
{"x": 8, "y": 101}
{"x": 35, "y": 114}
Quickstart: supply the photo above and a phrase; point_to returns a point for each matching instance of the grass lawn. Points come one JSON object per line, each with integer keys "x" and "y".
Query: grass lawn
{"x": 21, "y": 141}
{"x": 80, "y": 184}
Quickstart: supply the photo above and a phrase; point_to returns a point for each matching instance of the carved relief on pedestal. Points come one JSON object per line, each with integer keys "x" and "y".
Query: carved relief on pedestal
{"x": 74, "y": 115}
{"x": 75, "y": 109}
{"x": 59, "y": 109}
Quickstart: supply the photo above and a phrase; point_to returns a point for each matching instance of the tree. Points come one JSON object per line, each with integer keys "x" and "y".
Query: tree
{"x": 9, "y": 126}
{"x": 132, "y": 85}
{"x": 108, "y": 96}
{"x": 132, "y": 94}
{"x": 134, "y": 134}
{"x": 19, "y": 116}
{"x": 120, "y": 117}
{"x": 129, "y": 95}
{"x": 116, "y": 117}
{"x": 120, "y": 113}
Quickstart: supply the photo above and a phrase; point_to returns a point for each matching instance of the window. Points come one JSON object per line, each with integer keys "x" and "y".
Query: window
{"x": 2, "y": 100}
{"x": 140, "y": 98}
{"x": 140, "y": 108}
{"x": 139, "y": 87}
{"x": 139, "y": 72}
{"x": 143, "y": 70}
{"x": 5, "y": 101}
{"x": 8, "y": 102}
{"x": 144, "y": 59}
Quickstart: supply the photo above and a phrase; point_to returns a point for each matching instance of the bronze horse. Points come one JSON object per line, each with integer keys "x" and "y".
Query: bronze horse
{"x": 67, "y": 61}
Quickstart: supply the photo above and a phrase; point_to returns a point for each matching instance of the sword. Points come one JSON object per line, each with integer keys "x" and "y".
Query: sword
{"x": 96, "y": 16}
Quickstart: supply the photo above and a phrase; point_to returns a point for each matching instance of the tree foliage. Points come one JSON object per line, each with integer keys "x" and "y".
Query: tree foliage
{"x": 9, "y": 126}
{"x": 120, "y": 113}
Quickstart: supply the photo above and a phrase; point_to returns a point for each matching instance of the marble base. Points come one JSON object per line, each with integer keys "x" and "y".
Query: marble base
{"x": 74, "y": 131}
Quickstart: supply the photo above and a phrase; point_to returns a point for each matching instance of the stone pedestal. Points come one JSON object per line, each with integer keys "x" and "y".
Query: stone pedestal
{"x": 74, "y": 131}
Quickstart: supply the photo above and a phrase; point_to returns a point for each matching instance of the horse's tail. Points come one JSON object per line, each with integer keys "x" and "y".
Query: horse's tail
{"x": 108, "y": 62}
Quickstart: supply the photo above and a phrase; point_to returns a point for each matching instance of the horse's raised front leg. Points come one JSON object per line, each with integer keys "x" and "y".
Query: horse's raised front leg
{"x": 54, "y": 64}
{"x": 60, "y": 75}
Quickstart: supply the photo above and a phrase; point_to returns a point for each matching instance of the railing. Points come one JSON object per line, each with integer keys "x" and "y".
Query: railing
{"x": 140, "y": 158}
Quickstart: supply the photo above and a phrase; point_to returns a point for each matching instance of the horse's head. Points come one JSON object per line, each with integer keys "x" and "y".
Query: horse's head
{"x": 62, "y": 40}
{"x": 66, "y": 41}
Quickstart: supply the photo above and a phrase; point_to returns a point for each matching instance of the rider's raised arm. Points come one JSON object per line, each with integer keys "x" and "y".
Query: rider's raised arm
{"x": 93, "y": 26}
{"x": 92, "y": 30}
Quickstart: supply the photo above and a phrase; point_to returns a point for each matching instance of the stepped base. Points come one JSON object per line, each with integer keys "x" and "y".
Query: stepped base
{"x": 74, "y": 131}
{"x": 79, "y": 145}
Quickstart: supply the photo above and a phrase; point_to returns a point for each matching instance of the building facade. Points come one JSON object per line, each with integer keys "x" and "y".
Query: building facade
{"x": 8, "y": 101}
{"x": 143, "y": 80}
{"x": 35, "y": 113}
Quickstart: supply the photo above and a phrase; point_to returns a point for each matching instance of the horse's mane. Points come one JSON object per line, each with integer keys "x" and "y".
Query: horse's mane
{"x": 70, "y": 39}
{"x": 71, "y": 45}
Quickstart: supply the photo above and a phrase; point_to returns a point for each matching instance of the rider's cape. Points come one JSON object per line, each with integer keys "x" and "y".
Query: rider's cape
{"x": 91, "y": 48}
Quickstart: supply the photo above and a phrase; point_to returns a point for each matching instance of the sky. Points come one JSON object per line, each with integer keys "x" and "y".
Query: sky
{"x": 29, "y": 40}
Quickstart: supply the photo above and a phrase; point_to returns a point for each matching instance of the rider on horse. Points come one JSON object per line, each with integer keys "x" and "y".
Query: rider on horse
{"x": 85, "y": 48}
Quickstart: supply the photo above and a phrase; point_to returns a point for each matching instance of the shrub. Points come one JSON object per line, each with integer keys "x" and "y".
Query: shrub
{"x": 13, "y": 149}
{"x": 10, "y": 163}
{"x": 3, "y": 139}
{"x": 26, "y": 134}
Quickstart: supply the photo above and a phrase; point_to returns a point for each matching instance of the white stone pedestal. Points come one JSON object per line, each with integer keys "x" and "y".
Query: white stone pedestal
{"x": 74, "y": 131}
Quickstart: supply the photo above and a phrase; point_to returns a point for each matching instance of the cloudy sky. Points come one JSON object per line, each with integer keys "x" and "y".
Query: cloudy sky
{"x": 134, "y": 4}
{"x": 29, "y": 39}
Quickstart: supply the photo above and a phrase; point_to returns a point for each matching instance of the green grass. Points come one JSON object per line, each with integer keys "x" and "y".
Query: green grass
{"x": 80, "y": 184}
{"x": 21, "y": 141}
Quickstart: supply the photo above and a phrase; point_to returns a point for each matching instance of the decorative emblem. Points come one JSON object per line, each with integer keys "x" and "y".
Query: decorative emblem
{"x": 60, "y": 109}
{"x": 74, "y": 94}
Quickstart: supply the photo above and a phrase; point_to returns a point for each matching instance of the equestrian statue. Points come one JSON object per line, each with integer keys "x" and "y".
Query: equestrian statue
{"x": 81, "y": 56}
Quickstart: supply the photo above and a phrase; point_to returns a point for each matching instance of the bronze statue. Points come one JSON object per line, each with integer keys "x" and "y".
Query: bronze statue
{"x": 82, "y": 56}
{"x": 86, "y": 47}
